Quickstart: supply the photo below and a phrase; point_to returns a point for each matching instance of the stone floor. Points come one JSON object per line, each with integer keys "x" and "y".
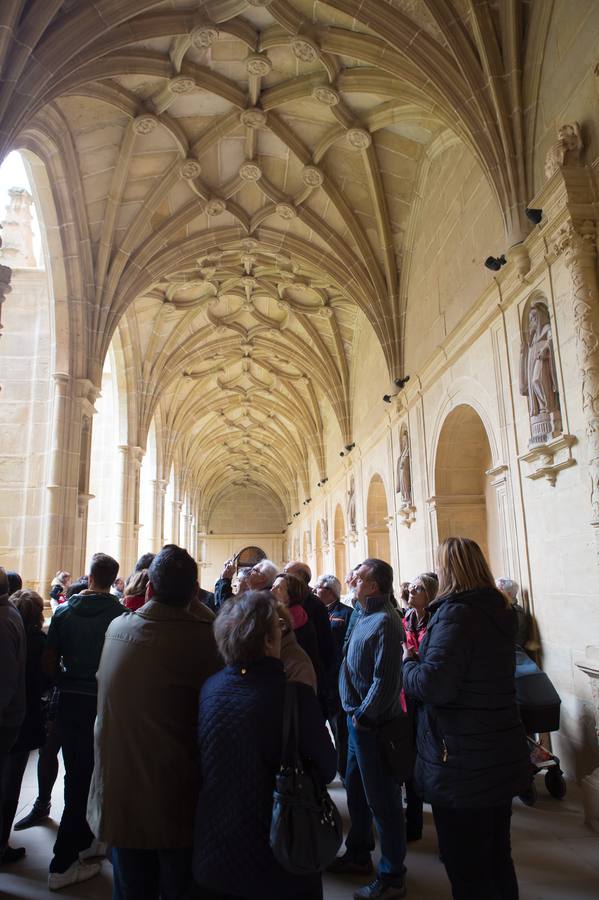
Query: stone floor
{"x": 557, "y": 856}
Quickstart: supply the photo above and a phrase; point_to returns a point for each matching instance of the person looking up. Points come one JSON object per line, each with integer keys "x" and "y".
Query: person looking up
{"x": 328, "y": 591}
{"x": 240, "y": 727}
{"x": 472, "y": 751}
{"x": 13, "y": 653}
{"x": 32, "y": 732}
{"x": 510, "y": 588}
{"x": 292, "y": 592}
{"x": 147, "y": 714}
{"x": 15, "y": 582}
{"x": 72, "y": 656}
{"x": 421, "y": 593}
{"x": 58, "y": 589}
{"x": 262, "y": 575}
{"x": 135, "y": 592}
{"x": 317, "y": 614}
{"x": 370, "y": 686}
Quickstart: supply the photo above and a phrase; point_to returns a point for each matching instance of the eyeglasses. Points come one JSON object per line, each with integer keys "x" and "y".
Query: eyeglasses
{"x": 415, "y": 588}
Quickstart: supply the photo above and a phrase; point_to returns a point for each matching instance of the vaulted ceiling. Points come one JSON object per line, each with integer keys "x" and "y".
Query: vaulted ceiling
{"x": 234, "y": 181}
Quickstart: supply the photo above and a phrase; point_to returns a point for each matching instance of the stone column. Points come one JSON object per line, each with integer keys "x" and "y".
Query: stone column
{"x": 590, "y": 783}
{"x": 177, "y": 506}
{"x": 5, "y": 276}
{"x": 157, "y": 536}
{"x": 57, "y": 554}
{"x": 128, "y": 518}
{"x": 577, "y": 243}
{"x": 187, "y": 520}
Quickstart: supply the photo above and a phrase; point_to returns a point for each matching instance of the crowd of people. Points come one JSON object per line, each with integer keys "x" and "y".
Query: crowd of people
{"x": 167, "y": 703}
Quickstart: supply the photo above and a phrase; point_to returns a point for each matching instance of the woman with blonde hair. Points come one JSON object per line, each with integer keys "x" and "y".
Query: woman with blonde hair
{"x": 472, "y": 753}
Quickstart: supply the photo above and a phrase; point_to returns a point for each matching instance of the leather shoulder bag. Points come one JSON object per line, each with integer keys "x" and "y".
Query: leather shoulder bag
{"x": 306, "y": 830}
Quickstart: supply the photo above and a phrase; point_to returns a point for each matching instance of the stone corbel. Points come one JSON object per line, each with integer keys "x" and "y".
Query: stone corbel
{"x": 548, "y": 460}
{"x": 590, "y": 783}
{"x": 83, "y": 503}
{"x": 406, "y": 514}
{"x": 352, "y": 537}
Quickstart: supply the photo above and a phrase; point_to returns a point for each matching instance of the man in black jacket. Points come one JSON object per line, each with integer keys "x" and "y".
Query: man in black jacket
{"x": 72, "y": 656}
{"x": 328, "y": 591}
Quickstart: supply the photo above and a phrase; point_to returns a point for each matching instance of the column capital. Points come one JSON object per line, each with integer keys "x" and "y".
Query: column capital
{"x": 577, "y": 241}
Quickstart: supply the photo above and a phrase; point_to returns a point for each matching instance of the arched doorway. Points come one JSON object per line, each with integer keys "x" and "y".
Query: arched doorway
{"x": 339, "y": 541}
{"x": 318, "y": 543}
{"x": 464, "y": 497}
{"x": 377, "y": 513}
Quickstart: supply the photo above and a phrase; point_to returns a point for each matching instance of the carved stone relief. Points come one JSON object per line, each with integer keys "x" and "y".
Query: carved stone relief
{"x": 567, "y": 150}
{"x": 578, "y": 244}
{"x": 538, "y": 375}
{"x": 404, "y": 478}
{"x": 351, "y": 504}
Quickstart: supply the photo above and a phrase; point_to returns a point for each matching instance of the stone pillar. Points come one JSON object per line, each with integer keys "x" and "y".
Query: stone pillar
{"x": 187, "y": 521}
{"x": 57, "y": 552}
{"x": 177, "y": 506}
{"x": 577, "y": 243}
{"x": 5, "y": 275}
{"x": 157, "y": 537}
{"x": 128, "y": 518}
{"x": 87, "y": 395}
{"x": 590, "y": 783}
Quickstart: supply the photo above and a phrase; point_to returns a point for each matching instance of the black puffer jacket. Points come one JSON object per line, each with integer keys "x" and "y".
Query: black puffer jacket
{"x": 471, "y": 744}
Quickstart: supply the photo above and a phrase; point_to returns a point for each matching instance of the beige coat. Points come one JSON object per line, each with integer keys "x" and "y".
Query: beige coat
{"x": 145, "y": 783}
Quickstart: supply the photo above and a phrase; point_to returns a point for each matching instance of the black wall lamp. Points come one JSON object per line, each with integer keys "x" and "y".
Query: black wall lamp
{"x": 495, "y": 262}
{"x": 533, "y": 215}
{"x": 400, "y": 384}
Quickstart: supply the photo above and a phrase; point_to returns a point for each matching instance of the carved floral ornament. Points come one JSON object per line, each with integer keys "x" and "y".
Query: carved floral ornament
{"x": 258, "y": 64}
{"x": 190, "y": 169}
{"x": 253, "y": 118}
{"x": 203, "y": 36}
{"x": 305, "y": 49}
{"x": 181, "y": 85}
{"x": 250, "y": 171}
{"x": 326, "y": 95}
{"x": 145, "y": 123}
{"x": 312, "y": 176}
{"x": 359, "y": 138}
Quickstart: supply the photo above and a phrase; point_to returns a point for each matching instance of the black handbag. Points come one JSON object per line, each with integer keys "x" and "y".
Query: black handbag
{"x": 305, "y": 830}
{"x": 397, "y": 746}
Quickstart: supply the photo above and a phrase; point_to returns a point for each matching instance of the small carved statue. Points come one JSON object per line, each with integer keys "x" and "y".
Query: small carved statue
{"x": 404, "y": 473}
{"x": 538, "y": 377}
{"x": 324, "y": 525}
{"x": 567, "y": 150}
{"x": 351, "y": 504}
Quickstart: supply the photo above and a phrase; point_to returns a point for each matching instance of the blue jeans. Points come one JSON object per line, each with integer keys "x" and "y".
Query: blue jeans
{"x": 151, "y": 874}
{"x": 372, "y": 793}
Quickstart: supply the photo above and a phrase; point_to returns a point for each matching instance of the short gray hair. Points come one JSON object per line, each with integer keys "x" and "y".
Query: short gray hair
{"x": 332, "y": 583}
{"x": 242, "y": 626}
{"x": 509, "y": 587}
{"x": 268, "y": 568}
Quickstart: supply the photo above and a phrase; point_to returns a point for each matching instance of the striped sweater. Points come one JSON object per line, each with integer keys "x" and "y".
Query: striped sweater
{"x": 370, "y": 679}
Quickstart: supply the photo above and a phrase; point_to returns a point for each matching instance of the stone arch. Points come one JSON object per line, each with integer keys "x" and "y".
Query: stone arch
{"x": 339, "y": 544}
{"x": 464, "y": 500}
{"x": 377, "y": 511}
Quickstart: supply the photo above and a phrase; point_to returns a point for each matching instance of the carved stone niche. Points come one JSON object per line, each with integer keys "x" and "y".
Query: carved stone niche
{"x": 548, "y": 447}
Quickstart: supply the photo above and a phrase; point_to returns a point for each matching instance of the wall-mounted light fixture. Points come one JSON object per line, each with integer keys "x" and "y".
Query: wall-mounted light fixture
{"x": 495, "y": 262}
{"x": 533, "y": 215}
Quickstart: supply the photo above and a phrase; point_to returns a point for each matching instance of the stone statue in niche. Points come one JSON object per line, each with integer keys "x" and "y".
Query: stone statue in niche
{"x": 404, "y": 472}
{"x": 538, "y": 376}
{"x": 324, "y": 527}
{"x": 567, "y": 150}
{"x": 351, "y": 504}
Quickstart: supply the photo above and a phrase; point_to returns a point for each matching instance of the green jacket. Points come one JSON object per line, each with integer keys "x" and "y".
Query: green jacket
{"x": 76, "y": 634}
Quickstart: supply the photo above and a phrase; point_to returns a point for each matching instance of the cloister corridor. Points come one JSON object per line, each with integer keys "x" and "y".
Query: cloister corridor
{"x": 320, "y": 278}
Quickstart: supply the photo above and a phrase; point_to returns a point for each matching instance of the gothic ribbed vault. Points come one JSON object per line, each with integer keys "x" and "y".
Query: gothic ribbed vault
{"x": 235, "y": 181}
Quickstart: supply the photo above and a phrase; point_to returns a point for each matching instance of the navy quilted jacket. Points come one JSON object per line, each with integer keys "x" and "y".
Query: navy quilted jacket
{"x": 471, "y": 744}
{"x": 239, "y": 729}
